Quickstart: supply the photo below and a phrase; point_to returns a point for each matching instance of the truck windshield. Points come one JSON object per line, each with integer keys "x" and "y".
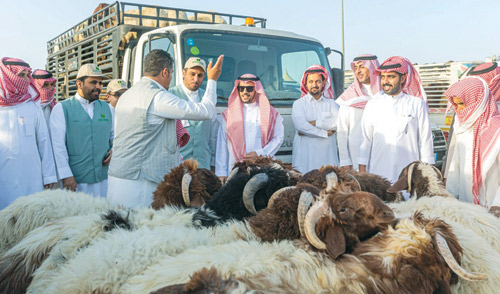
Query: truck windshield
{"x": 278, "y": 62}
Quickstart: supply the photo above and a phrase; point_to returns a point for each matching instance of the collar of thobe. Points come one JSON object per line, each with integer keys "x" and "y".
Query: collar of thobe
{"x": 189, "y": 93}
{"x": 311, "y": 98}
{"x": 250, "y": 105}
{"x": 83, "y": 100}
{"x": 401, "y": 94}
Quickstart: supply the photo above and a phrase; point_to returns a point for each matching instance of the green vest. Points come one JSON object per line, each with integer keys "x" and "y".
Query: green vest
{"x": 87, "y": 140}
{"x": 198, "y": 146}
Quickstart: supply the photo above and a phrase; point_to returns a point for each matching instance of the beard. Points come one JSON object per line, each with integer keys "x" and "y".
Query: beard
{"x": 395, "y": 89}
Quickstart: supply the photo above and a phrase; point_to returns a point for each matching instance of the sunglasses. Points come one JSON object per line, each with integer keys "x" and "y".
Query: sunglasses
{"x": 117, "y": 94}
{"x": 248, "y": 88}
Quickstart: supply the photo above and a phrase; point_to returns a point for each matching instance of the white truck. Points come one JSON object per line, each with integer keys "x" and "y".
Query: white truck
{"x": 117, "y": 38}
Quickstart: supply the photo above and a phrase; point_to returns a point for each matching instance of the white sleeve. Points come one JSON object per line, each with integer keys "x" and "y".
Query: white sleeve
{"x": 495, "y": 182}
{"x": 425, "y": 135}
{"x": 58, "y": 136}
{"x": 366, "y": 137}
{"x": 167, "y": 105}
{"x": 302, "y": 125}
{"x": 45, "y": 148}
{"x": 274, "y": 145}
{"x": 343, "y": 136}
{"x": 222, "y": 155}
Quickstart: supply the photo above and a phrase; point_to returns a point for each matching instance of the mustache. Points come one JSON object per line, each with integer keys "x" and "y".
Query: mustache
{"x": 387, "y": 85}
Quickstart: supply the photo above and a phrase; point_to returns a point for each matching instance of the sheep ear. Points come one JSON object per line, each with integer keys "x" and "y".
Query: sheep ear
{"x": 400, "y": 185}
{"x": 335, "y": 241}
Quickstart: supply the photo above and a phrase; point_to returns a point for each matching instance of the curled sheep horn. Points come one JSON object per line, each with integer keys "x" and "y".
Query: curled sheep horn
{"x": 305, "y": 201}
{"x": 410, "y": 172}
{"x": 233, "y": 172}
{"x": 186, "y": 181}
{"x": 356, "y": 180}
{"x": 331, "y": 181}
{"x": 318, "y": 210}
{"x": 256, "y": 183}
{"x": 445, "y": 251}
{"x": 276, "y": 194}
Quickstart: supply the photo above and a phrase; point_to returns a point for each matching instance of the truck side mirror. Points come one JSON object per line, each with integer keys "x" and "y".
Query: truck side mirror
{"x": 338, "y": 81}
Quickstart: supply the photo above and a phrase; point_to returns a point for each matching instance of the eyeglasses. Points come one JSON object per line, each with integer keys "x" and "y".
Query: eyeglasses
{"x": 248, "y": 88}
{"x": 116, "y": 94}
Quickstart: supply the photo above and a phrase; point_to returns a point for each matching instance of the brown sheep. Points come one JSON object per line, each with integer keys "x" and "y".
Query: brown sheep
{"x": 280, "y": 220}
{"x": 319, "y": 177}
{"x": 204, "y": 281}
{"x": 377, "y": 185}
{"x": 260, "y": 161}
{"x": 186, "y": 186}
{"x": 355, "y": 181}
{"x": 418, "y": 256}
{"x": 421, "y": 179}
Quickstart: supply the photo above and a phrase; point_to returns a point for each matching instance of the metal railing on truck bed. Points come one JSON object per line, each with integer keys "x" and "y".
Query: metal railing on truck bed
{"x": 102, "y": 38}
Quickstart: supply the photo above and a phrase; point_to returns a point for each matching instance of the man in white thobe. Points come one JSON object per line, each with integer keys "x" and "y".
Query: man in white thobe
{"x": 314, "y": 116}
{"x": 249, "y": 127}
{"x": 352, "y": 104}
{"x": 26, "y": 161}
{"x": 82, "y": 133}
{"x": 146, "y": 145}
{"x": 474, "y": 169}
{"x": 395, "y": 127}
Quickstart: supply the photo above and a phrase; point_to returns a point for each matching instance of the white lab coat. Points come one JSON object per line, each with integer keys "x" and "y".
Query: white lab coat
{"x": 165, "y": 105}
{"x": 26, "y": 160}
{"x": 58, "y": 135}
{"x": 396, "y": 131}
{"x": 314, "y": 148}
{"x": 459, "y": 181}
{"x": 225, "y": 159}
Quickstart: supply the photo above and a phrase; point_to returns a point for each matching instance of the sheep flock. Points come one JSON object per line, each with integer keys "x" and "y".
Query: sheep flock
{"x": 268, "y": 229}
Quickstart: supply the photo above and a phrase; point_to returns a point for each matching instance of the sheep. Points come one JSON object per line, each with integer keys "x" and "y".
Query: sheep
{"x": 206, "y": 17}
{"x": 409, "y": 258}
{"x": 243, "y": 195}
{"x": 103, "y": 266}
{"x": 260, "y": 161}
{"x": 466, "y": 215}
{"x": 353, "y": 180}
{"x": 204, "y": 281}
{"x": 420, "y": 179}
{"x": 49, "y": 246}
{"x": 29, "y": 212}
{"x": 19, "y": 263}
{"x": 185, "y": 186}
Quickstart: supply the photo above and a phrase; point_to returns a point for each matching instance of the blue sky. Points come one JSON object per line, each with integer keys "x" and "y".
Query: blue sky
{"x": 424, "y": 31}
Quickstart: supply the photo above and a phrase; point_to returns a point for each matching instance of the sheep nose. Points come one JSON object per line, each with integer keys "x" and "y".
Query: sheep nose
{"x": 388, "y": 213}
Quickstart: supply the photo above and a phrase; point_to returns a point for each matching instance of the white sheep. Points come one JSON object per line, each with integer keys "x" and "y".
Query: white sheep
{"x": 106, "y": 264}
{"x": 32, "y": 211}
{"x": 48, "y": 247}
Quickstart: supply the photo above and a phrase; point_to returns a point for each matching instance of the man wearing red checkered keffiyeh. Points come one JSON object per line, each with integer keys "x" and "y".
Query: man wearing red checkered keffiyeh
{"x": 26, "y": 161}
{"x": 474, "y": 170}
{"x": 352, "y": 104}
{"x": 314, "y": 117}
{"x": 249, "y": 127}
{"x": 45, "y": 83}
{"x": 396, "y": 129}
